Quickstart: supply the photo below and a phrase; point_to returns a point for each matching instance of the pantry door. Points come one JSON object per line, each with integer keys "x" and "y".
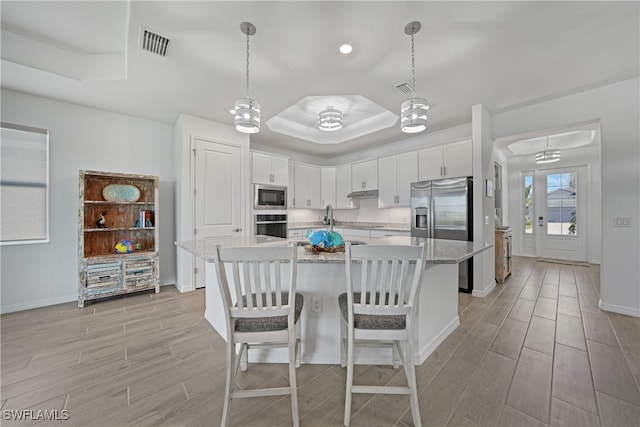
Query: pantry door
{"x": 218, "y": 195}
{"x": 561, "y": 215}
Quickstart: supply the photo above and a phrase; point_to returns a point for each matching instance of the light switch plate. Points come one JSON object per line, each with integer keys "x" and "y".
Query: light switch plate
{"x": 622, "y": 221}
{"x": 316, "y": 304}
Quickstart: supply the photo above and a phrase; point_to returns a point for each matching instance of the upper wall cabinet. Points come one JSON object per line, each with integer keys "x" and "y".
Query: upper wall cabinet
{"x": 307, "y": 187}
{"x": 364, "y": 176}
{"x": 270, "y": 169}
{"x": 396, "y": 173}
{"x": 328, "y": 187}
{"x": 343, "y": 187}
{"x": 446, "y": 161}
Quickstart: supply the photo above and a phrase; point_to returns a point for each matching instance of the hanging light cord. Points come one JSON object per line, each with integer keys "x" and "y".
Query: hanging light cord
{"x": 247, "y": 93}
{"x": 413, "y": 66}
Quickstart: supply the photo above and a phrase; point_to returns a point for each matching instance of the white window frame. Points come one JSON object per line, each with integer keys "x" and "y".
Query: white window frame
{"x": 44, "y": 237}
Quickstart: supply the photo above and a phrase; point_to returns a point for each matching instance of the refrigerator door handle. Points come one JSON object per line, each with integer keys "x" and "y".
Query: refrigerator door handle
{"x": 432, "y": 219}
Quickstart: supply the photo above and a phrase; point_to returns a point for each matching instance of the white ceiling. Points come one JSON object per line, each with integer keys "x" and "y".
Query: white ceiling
{"x": 500, "y": 54}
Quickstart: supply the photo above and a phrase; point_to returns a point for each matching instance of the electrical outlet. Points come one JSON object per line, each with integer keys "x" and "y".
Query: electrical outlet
{"x": 316, "y": 304}
{"x": 486, "y": 220}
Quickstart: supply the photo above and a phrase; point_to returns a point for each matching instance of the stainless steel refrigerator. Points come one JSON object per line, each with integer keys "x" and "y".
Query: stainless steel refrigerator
{"x": 443, "y": 209}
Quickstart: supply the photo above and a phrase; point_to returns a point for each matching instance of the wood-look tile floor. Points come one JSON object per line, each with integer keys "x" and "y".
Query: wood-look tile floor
{"x": 537, "y": 351}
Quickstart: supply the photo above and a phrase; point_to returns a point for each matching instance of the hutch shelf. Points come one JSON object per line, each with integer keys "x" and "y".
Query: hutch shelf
{"x": 503, "y": 254}
{"x": 112, "y": 208}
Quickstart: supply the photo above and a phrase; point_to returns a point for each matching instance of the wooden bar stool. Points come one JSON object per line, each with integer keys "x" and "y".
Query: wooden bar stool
{"x": 379, "y": 309}
{"x": 263, "y": 314}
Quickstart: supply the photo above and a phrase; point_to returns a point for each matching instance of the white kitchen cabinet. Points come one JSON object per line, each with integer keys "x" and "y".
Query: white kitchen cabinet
{"x": 364, "y": 176}
{"x": 430, "y": 163}
{"x": 396, "y": 173}
{"x": 291, "y": 194}
{"x": 270, "y": 169}
{"x": 306, "y": 186}
{"x": 458, "y": 159}
{"x": 328, "y": 187}
{"x": 343, "y": 187}
{"x": 296, "y": 233}
{"x": 446, "y": 161}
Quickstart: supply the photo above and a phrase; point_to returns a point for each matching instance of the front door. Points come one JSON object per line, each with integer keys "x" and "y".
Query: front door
{"x": 218, "y": 199}
{"x": 561, "y": 217}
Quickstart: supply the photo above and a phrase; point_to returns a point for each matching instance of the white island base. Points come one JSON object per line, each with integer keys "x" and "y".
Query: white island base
{"x": 437, "y": 313}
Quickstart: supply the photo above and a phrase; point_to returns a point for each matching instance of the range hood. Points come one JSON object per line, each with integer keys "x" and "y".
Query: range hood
{"x": 364, "y": 194}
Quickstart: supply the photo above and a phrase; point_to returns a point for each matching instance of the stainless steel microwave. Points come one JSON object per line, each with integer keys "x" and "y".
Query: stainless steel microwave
{"x": 270, "y": 197}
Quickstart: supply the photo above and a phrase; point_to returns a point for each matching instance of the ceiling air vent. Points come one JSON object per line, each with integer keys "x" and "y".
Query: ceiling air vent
{"x": 404, "y": 88}
{"x": 153, "y": 43}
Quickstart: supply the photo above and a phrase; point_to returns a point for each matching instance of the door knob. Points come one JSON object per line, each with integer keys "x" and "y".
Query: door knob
{"x": 237, "y": 230}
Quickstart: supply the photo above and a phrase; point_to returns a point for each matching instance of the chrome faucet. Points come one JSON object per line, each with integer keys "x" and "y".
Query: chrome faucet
{"x": 328, "y": 218}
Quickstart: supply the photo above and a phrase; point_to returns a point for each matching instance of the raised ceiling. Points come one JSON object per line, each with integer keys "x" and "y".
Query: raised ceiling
{"x": 500, "y": 54}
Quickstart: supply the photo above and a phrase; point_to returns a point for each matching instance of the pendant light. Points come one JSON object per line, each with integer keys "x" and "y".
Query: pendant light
{"x": 247, "y": 110}
{"x": 330, "y": 120}
{"x": 547, "y": 155}
{"x": 413, "y": 112}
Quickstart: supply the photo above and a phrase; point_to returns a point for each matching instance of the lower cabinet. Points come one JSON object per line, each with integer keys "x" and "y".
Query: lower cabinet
{"x": 299, "y": 232}
{"x": 102, "y": 277}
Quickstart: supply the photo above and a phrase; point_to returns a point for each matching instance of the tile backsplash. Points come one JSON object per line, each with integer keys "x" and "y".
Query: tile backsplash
{"x": 368, "y": 212}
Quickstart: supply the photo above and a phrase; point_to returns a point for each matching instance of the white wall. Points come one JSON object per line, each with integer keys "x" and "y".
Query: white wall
{"x": 90, "y": 139}
{"x": 617, "y": 107}
{"x": 501, "y": 159}
{"x": 483, "y": 206}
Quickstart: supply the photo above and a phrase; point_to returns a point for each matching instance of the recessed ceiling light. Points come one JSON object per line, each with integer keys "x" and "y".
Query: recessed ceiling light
{"x": 346, "y": 48}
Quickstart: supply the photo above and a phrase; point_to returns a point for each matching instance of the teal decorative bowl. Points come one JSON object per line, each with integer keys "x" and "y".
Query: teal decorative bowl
{"x": 121, "y": 193}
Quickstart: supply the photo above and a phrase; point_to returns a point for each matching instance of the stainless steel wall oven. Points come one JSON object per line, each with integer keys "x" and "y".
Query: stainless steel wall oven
{"x": 271, "y": 225}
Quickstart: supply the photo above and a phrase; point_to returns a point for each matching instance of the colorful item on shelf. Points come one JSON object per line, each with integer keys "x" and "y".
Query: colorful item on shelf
{"x": 325, "y": 238}
{"x": 124, "y": 246}
{"x": 121, "y": 193}
{"x": 101, "y": 222}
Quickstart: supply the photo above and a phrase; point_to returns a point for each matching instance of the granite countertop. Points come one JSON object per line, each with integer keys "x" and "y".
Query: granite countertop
{"x": 354, "y": 225}
{"x": 439, "y": 251}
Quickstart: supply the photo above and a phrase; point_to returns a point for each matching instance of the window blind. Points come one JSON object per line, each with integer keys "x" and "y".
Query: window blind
{"x": 24, "y": 184}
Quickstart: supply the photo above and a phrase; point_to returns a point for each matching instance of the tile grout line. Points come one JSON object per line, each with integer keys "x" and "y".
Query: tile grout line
{"x": 506, "y": 397}
{"x": 586, "y": 344}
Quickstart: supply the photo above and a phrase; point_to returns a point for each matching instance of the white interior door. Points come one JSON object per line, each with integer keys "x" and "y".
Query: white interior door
{"x": 218, "y": 195}
{"x": 561, "y": 216}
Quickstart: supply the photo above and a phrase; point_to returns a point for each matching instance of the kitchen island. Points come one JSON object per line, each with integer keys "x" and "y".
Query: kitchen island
{"x": 321, "y": 278}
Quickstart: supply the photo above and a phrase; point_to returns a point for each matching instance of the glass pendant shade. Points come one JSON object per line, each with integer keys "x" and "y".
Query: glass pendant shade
{"x": 413, "y": 115}
{"x": 547, "y": 156}
{"x": 330, "y": 120}
{"x": 247, "y": 115}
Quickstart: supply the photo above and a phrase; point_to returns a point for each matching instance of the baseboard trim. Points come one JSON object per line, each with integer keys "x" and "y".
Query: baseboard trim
{"x": 628, "y": 311}
{"x": 38, "y": 303}
{"x": 483, "y": 293}
{"x": 431, "y": 346}
{"x": 51, "y": 301}
{"x": 185, "y": 288}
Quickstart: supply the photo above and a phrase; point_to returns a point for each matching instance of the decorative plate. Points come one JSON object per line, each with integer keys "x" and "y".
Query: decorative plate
{"x": 121, "y": 193}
